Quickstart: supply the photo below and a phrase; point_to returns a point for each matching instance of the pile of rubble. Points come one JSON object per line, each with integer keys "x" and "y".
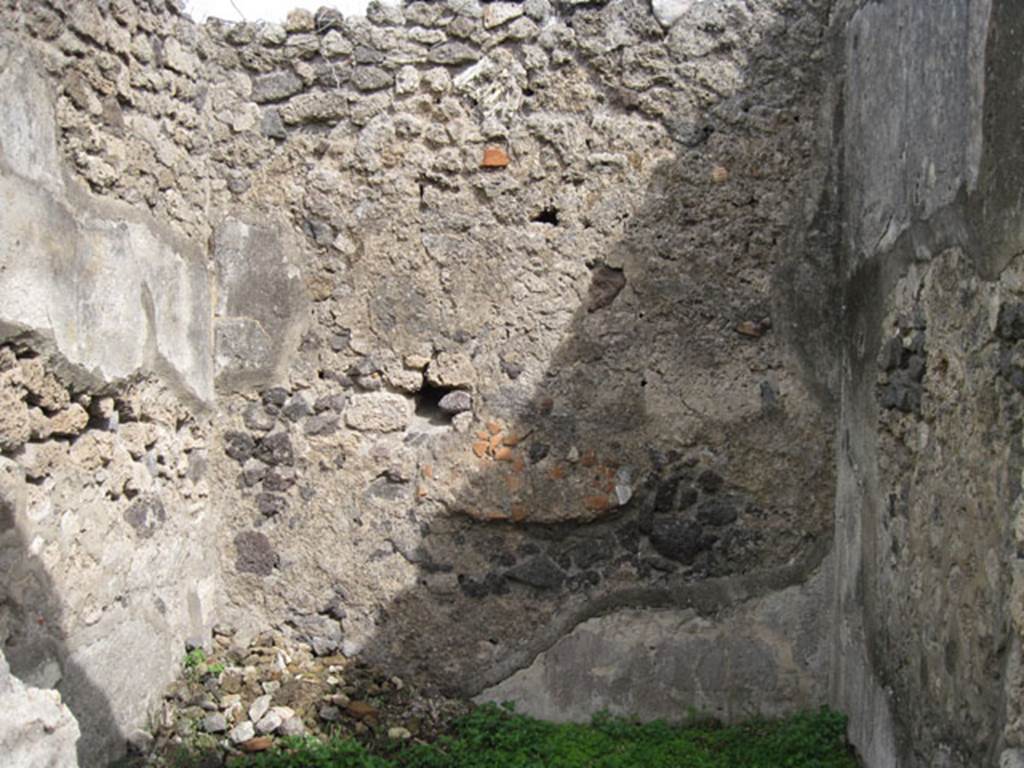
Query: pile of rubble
{"x": 240, "y": 699}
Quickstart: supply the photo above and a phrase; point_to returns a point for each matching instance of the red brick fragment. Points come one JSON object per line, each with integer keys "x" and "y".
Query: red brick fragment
{"x": 494, "y": 157}
{"x": 503, "y": 454}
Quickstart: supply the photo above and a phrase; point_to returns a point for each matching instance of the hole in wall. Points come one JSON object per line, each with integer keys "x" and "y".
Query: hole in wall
{"x": 428, "y": 405}
{"x": 547, "y": 215}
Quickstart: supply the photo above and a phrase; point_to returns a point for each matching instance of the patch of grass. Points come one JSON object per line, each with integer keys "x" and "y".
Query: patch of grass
{"x": 313, "y": 753}
{"x": 496, "y": 737}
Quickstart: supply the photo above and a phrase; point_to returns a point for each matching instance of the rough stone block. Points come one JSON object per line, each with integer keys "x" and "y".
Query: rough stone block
{"x": 379, "y": 412}
{"x": 451, "y": 369}
{"x": 36, "y": 729}
{"x": 255, "y": 554}
{"x": 276, "y": 86}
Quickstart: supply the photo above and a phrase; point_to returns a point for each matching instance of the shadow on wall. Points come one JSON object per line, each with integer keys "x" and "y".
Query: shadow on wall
{"x": 674, "y": 456}
{"x": 35, "y": 645}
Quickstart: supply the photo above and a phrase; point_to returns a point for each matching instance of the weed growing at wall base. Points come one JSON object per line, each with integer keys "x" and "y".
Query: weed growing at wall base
{"x": 496, "y": 737}
{"x": 194, "y": 658}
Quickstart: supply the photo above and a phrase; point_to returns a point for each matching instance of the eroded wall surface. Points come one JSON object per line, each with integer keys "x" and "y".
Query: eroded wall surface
{"x": 444, "y": 336}
{"x": 927, "y": 532}
{"x": 106, "y": 533}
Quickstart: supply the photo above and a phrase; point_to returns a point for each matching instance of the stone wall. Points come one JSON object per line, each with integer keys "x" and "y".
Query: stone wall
{"x": 460, "y": 336}
{"x": 542, "y": 379}
{"x": 107, "y": 539}
{"x": 499, "y": 343}
{"x": 927, "y": 654}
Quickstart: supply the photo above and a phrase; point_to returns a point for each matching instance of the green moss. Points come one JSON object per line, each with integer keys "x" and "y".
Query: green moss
{"x": 496, "y": 737}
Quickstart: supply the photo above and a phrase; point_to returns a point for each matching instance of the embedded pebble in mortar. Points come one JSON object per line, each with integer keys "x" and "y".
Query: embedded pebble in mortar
{"x": 668, "y": 12}
{"x": 457, "y": 401}
{"x": 623, "y": 488}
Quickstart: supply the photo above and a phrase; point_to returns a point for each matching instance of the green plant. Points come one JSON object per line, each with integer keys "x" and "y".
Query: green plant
{"x": 194, "y": 658}
{"x": 496, "y": 737}
{"x": 311, "y": 753}
{"x": 216, "y": 669}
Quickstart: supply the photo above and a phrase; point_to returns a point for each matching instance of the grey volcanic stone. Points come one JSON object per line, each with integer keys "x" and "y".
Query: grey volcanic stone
{"x": 239, "y": 446}
{"x": 275, "y": 397}
{"x": 327, "y": 19}
{"x": 276, "y": 448}
{"x": 370, "y": 78}
{"x": 296, "y": 408}
{"x": 255, "y": 554}
{"x": 271, "y": 504}
{"x": 677, "y": 539}
{"x": 258, "y": 419}
{"x": 253, "y": 471}
{"x": 717, "y": 512}
{"x": 457, "y": 401}
{"x": 540, "y": 572}
{"x": 215, "y": 722}
{"x": 322, "y": 424}
{"x": 334, "y": 403}
{"x": 710, "y": 481}
{"x": 279, "y": 479}
{"x": 329, "y": 714}
{"x": 453, "y": 53}
{"x": 271, "y": 124}
{"x": 1010, "y": 324}
{"x": 276, "y": 86}
{"x": 145, "y": 514}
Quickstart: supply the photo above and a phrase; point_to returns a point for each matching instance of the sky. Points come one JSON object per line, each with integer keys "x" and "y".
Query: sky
{"x": 265, "y": 10}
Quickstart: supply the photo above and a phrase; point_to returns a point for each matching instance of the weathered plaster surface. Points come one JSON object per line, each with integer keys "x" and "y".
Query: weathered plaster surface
{"x": 928, "y": 472}
{"x": 766, "y": 656}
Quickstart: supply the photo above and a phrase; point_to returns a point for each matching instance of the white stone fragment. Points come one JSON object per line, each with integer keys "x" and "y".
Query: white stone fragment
{"x": 36, "y": 729}
{"x": 244, "y": 731}
{"x": 259, "y": 708}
